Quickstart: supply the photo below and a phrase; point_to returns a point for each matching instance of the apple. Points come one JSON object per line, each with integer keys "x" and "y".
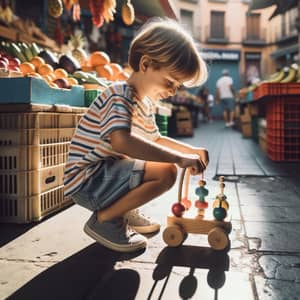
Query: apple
{"x": 178, "y": 209}
{"x": 3, "y": 65}
{"x": 13, "y": 61}
{"x": 62, "y": 83}
{"x": 4, "y": 59}
{"x": 14, "y": 68}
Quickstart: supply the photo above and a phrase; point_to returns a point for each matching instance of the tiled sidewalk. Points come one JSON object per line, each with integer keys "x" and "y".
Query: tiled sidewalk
{"x": 56, "y": 260}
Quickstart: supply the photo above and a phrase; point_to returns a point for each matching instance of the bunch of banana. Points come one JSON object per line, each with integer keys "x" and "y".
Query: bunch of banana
{"x": 292, "y": 74}
{"x": 278, "y": 76}
{"x": 109, "y": 10}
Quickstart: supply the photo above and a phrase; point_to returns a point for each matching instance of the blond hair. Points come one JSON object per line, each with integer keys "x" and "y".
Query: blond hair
{"x": 169, "y": 46}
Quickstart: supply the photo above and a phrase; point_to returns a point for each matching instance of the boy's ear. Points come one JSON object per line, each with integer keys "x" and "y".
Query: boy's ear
{"x": 144, "y": 63}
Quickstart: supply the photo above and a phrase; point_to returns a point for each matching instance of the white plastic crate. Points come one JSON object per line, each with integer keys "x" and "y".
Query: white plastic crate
{"x": 15, "y": 209}
{"x": 38, "y": 120}
{"x": 34, "y": 136}
{"x": 32, "y": 157}
{"x": 29, "y": 183}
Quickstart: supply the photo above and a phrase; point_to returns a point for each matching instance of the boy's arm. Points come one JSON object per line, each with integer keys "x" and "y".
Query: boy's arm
{"x": 134, "y": 146}
{"x": 183, "y": 148}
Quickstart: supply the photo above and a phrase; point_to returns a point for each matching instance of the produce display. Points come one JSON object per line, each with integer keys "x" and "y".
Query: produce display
{"x": 286, "y": 75}
{"x": 59, "y": 70}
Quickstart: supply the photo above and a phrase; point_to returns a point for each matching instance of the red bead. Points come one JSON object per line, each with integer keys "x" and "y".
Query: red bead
{"x": 201, "y": 204}
{"x": 178, "y": 209}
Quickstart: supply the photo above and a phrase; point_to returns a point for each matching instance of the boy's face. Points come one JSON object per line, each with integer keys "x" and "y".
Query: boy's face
{"x": 160, "y": 84}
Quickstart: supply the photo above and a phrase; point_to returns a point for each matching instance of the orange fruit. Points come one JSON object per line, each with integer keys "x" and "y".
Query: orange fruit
{"x": 60, "y": 73}
{"x": 27, "y": 67}
{"x": 117, "y": 69}
{"x": 52, "y": 76}
{"x": 48, "y": 78}
{"x": 34, "y": 74}
{"x": 105, "y": 71}
{"x": 72, "y": 81}
{"x": 37, "y": 61}
{"x": 45, "y": 69}
{"x": 99, "y": 58}
{"x": 123, "y": 75}
{"x": 87, "y": 68}
{"x": 52, "y": 84}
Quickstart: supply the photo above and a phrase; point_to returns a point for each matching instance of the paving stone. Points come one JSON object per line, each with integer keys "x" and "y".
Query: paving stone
{"x": 286, "y": 268}
{"x": 275, "y": 236}
{"x": 268, "y": 289}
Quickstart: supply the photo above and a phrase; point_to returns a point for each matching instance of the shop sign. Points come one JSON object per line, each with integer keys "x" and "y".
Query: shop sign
{"x": 220, "y": 55}
{"x": 252, "y": 55}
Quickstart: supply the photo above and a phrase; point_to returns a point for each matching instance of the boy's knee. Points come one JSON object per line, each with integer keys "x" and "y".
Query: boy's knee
{"x": 169, "y": 175}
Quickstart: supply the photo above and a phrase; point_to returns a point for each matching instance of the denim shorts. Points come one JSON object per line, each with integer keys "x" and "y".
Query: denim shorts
{"x": 114, "y": 179}
{"x": 227, "y": 104}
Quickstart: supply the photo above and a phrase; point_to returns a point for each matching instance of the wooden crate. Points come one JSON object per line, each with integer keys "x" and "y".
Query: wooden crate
{"x": 184, "y": 124}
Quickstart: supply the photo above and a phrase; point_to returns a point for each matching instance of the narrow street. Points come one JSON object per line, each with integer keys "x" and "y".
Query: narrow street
{"x": 54, "y": 259}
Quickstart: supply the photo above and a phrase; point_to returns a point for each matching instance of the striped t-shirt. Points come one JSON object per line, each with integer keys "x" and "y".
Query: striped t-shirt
{"x": 115, "y": 108}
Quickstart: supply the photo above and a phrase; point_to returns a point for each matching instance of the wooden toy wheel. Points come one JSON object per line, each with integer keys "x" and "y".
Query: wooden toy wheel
{"x": 218, "y": 238}
{"x": 174, "y": 235}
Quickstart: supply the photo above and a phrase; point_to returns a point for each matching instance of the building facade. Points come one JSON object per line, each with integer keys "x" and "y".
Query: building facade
{"x": 245, "y": 42}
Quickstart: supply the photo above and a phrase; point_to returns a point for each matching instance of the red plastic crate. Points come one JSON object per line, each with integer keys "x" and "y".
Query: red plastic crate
{"x": 283, "y": 128}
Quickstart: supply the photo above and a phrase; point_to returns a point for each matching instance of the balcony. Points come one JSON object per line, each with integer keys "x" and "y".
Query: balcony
{"x": 256, "y": 39}
{"x": 286, "y": 37}
{"x": 216, "y": 37}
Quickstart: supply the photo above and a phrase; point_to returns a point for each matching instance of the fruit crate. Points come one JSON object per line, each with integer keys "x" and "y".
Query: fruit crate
{"x": 39, "y": 136}
{"x": 38, "y": 120}
{"x": 14, "y": 209}
{"x": 29, "y": 183}
{"x": 32, "y": 157}
{"x": 36, "y": 90}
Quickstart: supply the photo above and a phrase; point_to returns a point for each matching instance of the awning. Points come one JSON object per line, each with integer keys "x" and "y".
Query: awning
{"x": 284, "y": 51}
{"x": 145, "y": 9}
{"x": 281, "y": 5}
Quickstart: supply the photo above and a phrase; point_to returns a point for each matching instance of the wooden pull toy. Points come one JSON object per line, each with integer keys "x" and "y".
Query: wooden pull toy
{"x": 182, "y": 222}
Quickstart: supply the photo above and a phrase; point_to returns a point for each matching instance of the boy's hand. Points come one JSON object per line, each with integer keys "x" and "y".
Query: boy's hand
{"x": 192, "y": 162}
{"x": 203, "y": 155}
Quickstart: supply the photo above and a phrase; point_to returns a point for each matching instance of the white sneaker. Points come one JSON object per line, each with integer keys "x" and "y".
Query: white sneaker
{"x": 141, "y": 223}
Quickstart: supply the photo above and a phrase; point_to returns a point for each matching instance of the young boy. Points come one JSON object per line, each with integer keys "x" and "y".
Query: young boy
{"x": 117, "y": 159}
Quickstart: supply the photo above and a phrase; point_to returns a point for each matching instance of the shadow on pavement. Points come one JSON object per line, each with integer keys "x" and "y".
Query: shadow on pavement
{"x": 88, "y": 274}
{"x": 217, "y": 262}
{"x": 9, "y": 232}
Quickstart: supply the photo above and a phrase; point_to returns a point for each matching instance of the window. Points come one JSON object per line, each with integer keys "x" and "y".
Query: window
{"x": 186, "y": 18}
{"x": 217, "y": 25}
{"x": 253, "y": 26}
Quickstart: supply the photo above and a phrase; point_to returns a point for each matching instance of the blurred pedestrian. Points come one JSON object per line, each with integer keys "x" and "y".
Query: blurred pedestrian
{"x": 225, "y": 95}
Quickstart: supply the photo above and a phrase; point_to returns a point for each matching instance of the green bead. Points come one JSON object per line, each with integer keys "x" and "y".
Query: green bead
{"x": 219, "y": 213}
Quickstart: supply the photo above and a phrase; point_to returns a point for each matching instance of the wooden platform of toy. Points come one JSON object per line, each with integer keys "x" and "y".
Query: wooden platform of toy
{"x": 184, "y": 221}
